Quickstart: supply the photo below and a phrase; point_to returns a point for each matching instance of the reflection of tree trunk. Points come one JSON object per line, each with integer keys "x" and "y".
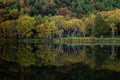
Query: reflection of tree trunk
{"x": 113, "y": 49}
{"x": 84, "y": 48}
{"x": 93, "y": 52}
{"x": 23, "y": 72}
{"x": 112, "y": 56}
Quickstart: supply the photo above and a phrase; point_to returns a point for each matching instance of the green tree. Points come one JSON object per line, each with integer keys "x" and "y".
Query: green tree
{"x": 90, "y": 25}
{"x": 100, "y": 25}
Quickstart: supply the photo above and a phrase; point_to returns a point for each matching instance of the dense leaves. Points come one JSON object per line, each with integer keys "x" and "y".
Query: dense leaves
{"x": 59, "y": 18}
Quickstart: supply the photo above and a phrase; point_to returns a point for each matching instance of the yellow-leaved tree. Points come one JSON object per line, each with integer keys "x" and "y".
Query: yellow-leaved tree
{"x": 25, "y": 24}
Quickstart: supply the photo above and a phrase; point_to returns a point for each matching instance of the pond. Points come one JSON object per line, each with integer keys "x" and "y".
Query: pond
{"x": 59, "y": 61}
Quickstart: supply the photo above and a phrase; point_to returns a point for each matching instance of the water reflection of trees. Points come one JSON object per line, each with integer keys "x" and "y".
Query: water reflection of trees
{"x": 99, "y": 57}
{"x": 78, "y": 71}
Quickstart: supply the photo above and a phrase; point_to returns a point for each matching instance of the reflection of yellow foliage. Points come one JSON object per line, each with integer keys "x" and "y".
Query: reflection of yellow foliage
{"x": 110, "y": 66}
{"x": 58, "y": 57}
{"x": 46, "y": 54}
{"x": 25, "y": 57}
{"x": 50, "y": 55}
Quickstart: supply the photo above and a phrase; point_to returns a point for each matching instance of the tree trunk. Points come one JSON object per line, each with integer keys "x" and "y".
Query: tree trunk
{"x": 84, "y": 34}
{"x": 4, "y": 32}
{"x": 19, "y": 35}
{"x": 113, "y": 33}
{"x": 10, "y": 33}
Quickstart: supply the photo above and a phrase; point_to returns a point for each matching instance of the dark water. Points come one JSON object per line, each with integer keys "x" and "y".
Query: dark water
{"x": 59, "y": 62}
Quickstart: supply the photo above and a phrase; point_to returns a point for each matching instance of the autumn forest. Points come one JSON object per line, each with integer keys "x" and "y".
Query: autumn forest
{"x": 46, "y": 19}
{"x": 59, "y": 39}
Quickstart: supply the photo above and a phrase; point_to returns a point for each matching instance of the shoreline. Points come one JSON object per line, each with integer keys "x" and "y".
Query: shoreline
{"x": 71, "y": 40}
{"x": 75, "y": 40}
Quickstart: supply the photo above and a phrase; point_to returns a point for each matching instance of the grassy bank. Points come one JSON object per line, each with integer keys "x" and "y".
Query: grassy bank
{"x": 32, "y": 40}
{"x": 71, "y": 40}
{"x": 75, "y": 40}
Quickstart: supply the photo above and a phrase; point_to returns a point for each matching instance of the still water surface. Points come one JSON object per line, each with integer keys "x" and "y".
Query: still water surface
{"x": 59, "y": 61}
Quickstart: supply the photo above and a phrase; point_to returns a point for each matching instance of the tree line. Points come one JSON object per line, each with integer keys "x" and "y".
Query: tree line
{"x": 59, "y": 18}
{"x": 101, "y": 24}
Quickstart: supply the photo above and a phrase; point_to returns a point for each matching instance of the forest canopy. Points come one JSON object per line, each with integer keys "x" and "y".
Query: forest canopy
{"x": 59, "y": 18}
